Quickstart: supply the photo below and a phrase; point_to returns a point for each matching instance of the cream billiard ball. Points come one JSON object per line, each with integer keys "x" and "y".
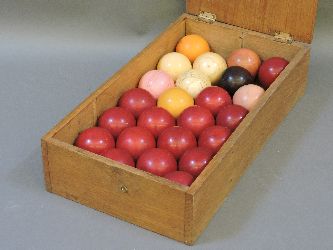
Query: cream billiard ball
{"x": 174, "y": 64}
{"x": 211, "y": 64}
{"x": 193, "y": 82}
{"x": 248, "y": 96}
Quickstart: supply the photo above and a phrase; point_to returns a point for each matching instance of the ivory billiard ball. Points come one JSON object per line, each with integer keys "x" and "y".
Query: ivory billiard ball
{"x": 245, "y": 58}
{"x": 156, "y": 82}
{"x": 248, "y": 96}
{"x": 193, "y": 82}
{"x": 270, "y": 70}
{"x": 174, "y": 64}
{"x": 211, "y": 64}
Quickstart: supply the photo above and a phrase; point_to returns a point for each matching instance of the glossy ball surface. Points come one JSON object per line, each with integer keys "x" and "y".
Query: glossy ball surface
{"x": 196, "y": 119}
{"x": 157, "y": 161}
{"x": 95, "y": 140}
{"x": 176, "y": 140}
{"x": 270, "y": 70}
{"x": 116, "y": 120}
{"x": 234, "y": 78}
{"x": 248, "y": 96}
{"x": 213, "y": 98}
{"x": 156, "y": 82}
{"x": 180, "y": 177}
{"x": 245, "y": 58}
{"x": 211, "y": 64}
{"x": 119, "y": 155}
{"x": 174, "y": 64}
{"x": 231, "y": 116}
{"x": 175, "y": 100}
{"x": 156, "y": 119}
{"x": 136, "y": 100}
{"x": 195, "y": 160}
{"x": 193, "y": 82}
{"x": 192, "y": 46}
{"x": 136, "y": 140}
{"x": 214, "y": 137}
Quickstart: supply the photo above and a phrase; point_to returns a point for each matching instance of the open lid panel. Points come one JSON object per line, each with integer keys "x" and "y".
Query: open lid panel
{"x": 295, "y": 17}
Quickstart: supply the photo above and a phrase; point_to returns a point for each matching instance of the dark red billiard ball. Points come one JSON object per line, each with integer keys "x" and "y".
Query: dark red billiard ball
{"x": 156, "y": 119}
{"x": 119, "y": 155}
{"x": 180, "y": 177}
{"x": 196, "y": 119}
{"x": 157, "y": 161}
{"x": 234, "y": 78}
{"x": 116, "y": 120}
{"x": 95, "y": 140}
{"x": 231, "y": 116}
{"x": 136, "y": 140}
{"x": 213, "y": 98}
{"x": 271, "y": 69}
{"x": 195, "y": 160}
{"x": 136, "y": 100}
{"x": 176, "y": 140}
{"x": 214, "y": 137}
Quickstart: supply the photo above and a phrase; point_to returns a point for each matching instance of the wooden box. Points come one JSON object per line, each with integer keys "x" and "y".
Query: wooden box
{"x": 157, "y": 204}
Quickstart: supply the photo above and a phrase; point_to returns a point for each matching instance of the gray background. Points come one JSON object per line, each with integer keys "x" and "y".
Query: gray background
{"x": 54, "y": 53}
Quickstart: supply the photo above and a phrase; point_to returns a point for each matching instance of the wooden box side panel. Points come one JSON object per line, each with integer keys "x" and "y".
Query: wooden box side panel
{"x": 116, "y": 189}
{"x": 210, "y": 189}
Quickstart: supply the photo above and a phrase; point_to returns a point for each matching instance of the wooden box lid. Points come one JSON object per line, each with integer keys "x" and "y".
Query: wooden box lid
{"x": 295, "y": 17}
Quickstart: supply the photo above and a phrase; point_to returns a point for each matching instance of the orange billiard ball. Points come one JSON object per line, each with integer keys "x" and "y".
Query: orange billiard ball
{"x": 192, "y": 46}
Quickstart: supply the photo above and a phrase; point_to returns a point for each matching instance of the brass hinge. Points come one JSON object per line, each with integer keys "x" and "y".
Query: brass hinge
{"x": 283, "y": 37}
{"x": 207, "y": 17}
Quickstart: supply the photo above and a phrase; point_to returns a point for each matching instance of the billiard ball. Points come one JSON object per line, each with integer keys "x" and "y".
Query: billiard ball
{"x": 119, "y": 155}
{"x": 214, "y": 137}
{"x": 192, "y": 46}
{"x": 136, "y": 140}
{"x": 156, "y": 119}
{"x": 245, "y": 58}
{"x": 195, "y": 160}
{"x": 180, "y": 177}
{"x": 234, "y": 78}
{"x": 213, "y": 98}
{"x": 116, "y": 119}
{"x": 196, "y": 119}
{"x": 193, "y": 82}
{"x": 156, "y": 82}
{"x": 95, "y": 140}
{"x": 157, "y": 161}
{"x": 174, "y": 64}
{"x": 270, "y": 70}
{"x": 175, "y": 100}
{"x": 136, "y": 100}
{"x": 176, "y": 140}
{"x": 211, "y": 64}
{"x": 248, "y": 96}
{"x": 231, "y": 116}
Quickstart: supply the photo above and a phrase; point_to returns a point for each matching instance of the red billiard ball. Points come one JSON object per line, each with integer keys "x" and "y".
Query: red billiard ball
{"x": 156, "y": 119}
{"x": 195, "y": 160}
{"x": 214, "y": 137}
{"x": 136, "y": 140}
{"x": 116, "y": 120}
{"x": 213, "y": 98}
{"x": 157, "y": 161}
{"x": 230, "y": 116}
{"x": 180, "y": 177}
{"x": 196, "y": 119}
{"x": 136, "y": 100}
{"x": 119, "y": 155}
{"x": 176, "y": 140}
{"x": 270, "y": 70}
{"x": 95, "y": 140}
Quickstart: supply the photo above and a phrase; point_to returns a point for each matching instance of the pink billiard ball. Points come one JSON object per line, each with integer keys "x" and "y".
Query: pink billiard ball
{"x": 156, "y": 82}
{"x": 248, "y": 96}
{"x": 214, "y": 137}
{"x": 231, "y": 116}
{"x": 245, "y": 58}
{"x": 270, "y": 70}
{"x": 180, "y": 177}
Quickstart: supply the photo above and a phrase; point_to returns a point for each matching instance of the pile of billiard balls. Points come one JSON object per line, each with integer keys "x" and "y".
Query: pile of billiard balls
{"x": 182, "y": 113}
